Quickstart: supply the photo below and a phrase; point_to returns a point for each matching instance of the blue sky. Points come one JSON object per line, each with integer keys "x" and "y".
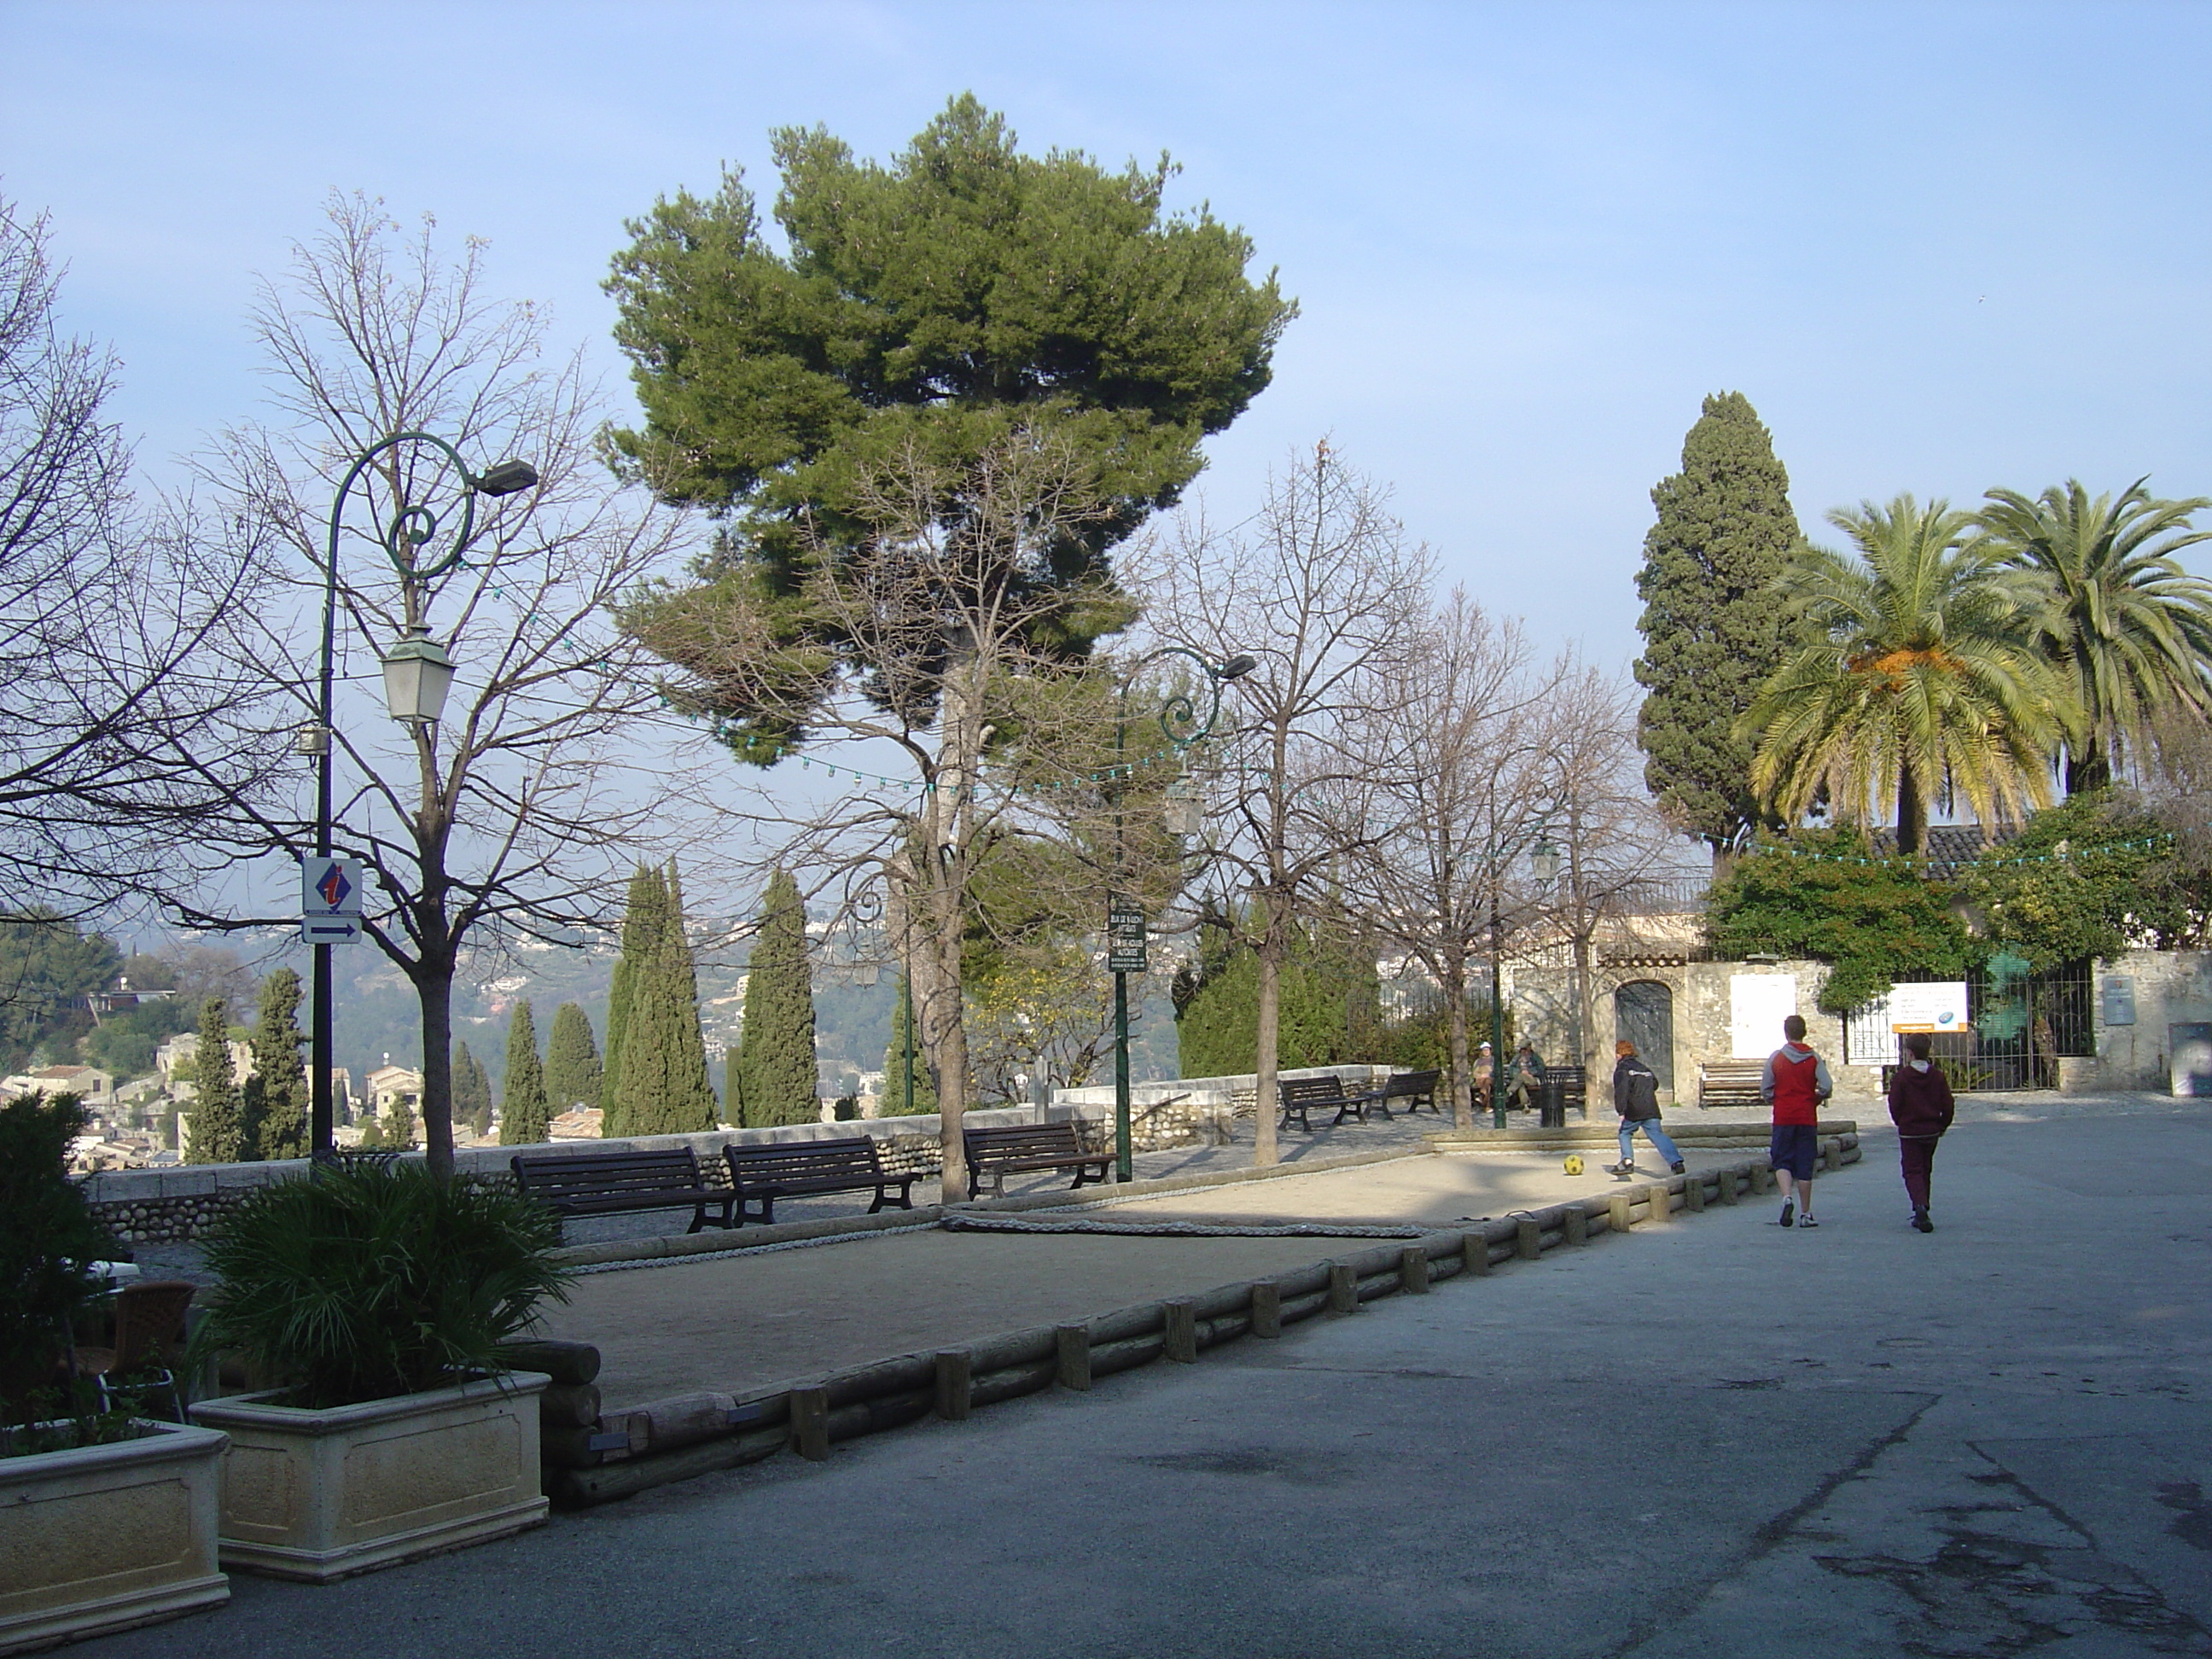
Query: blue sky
{"x": 1941, "y": 248}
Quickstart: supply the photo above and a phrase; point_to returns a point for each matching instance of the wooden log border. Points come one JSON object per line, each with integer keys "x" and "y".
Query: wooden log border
{"x": 623, "y": 1456}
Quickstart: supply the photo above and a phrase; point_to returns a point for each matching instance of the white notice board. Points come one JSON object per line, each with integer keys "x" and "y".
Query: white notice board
{"x": 1758, "y": 1004}
{"x": 1928, "y": 1007}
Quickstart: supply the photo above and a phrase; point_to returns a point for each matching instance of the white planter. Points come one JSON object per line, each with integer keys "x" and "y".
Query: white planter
{"x": 101, "y": 1538}
{"x": 317, "y": 1495}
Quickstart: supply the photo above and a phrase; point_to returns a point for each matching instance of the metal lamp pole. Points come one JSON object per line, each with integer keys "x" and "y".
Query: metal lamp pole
{"x": 1125, "y": 924}
{"x": 410, "y": 528}
{"x": 1498, "y": 857}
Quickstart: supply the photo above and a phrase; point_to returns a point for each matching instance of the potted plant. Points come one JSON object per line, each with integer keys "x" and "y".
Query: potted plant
{"x": 382, "y": 1298}
{"x": 107, "y": 1520}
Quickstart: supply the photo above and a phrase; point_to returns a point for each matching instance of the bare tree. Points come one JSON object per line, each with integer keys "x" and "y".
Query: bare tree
{"x": 513, "y": 815}
{"x": 946, "y": 607}
{"x": 105, "y": 618}
{"x": 1322, "y": 588}
{"x": 1438, "y": 879}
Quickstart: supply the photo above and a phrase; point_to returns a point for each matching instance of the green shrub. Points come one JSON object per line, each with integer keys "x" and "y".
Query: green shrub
{"x": 47, "y": 1233}
{"x": 371, "y": 1282}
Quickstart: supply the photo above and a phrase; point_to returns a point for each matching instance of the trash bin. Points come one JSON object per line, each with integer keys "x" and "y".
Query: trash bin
{"x": 1551, "y": 1104}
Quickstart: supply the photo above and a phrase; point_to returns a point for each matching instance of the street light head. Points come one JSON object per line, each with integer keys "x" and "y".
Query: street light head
{"x": 417, "y": 674}
{"x": 1237, "y": 667}
{"x": 1545, "y": 860}
{"x": 507, "y": 478}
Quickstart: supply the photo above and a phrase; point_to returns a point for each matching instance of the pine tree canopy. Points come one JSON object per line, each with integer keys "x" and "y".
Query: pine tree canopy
{"x": 1712, "y": 626}
{"x": 218, "y": 1126}
{"x": 275, "y": 1100}
{"x": 777, "y": 1060}
{"x": 943, "y": 301}
{"x": 523, "y": 1117}
{"x": 572, "y": 1061}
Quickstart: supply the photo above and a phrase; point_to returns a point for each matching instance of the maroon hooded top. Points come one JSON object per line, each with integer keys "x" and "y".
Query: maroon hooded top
{"x": 1920, "y": 1103}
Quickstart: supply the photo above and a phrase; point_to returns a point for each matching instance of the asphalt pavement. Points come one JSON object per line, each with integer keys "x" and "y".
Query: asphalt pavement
{"x": 1715, "y": 1438}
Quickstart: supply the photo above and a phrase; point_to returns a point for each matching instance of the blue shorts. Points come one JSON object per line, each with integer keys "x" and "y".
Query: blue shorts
{"x": 1795, "y": 1147}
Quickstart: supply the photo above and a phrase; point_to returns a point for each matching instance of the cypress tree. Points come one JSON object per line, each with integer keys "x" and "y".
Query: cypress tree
{"x": 1712, "y": 630}
{"x": 693, "y": 1108}
{"x": 471, "y": 1091}
{"x": 733, "y": 1094}
{"x": 777, "y": 1061}
{"x": 218, "y": 1128}
{"x": 399, "y": 1125}
{"x": 274, "y": 1101}
{"x": 648, "y": 902}
{"x": 522, "y": 1115}
{"x": 662, "y": 1088}
{"x": 572, "y": 1061}
{"x": 895, "y": 1103}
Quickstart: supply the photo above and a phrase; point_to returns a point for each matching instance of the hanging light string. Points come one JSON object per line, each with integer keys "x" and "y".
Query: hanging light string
{"x": 2060, "y": 854}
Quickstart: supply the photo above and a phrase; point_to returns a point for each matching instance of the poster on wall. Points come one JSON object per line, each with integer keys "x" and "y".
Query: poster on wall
{"x": 1868, "y": 1039}
{"x": 1938, "y": 1008}
{"x": 1758, "y": 1004}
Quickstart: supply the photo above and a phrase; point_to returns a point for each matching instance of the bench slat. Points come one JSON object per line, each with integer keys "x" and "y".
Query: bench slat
{"x": 762, "y": 1174}
{"x": 1017, "y": 1147}
{"x": 605, "y": 1183}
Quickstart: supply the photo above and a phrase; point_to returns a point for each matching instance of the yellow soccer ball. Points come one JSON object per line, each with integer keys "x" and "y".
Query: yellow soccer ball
{"x": 1574, "y": 1163}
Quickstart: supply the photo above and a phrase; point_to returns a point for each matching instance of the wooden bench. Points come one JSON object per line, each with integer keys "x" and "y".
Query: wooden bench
{"x": 1300, "y": 1095}
{"x": 610, "y": 1183}
{"x": 796, "y": 1168}
{"x": 1019, "y": 1147}
{"x": 1417, "y": 1088}
{"x": 1730, "y": 1082}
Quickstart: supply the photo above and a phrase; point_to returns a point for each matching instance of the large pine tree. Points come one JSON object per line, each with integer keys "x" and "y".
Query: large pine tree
{"x": 572, "y": 1061}
{"x": 776, "y": 1063}
{"x": 522, "y": 1114}
{"x": 1712, "y": 626}
{"x": 274, "y": 1101}
{"x": 641, "y": 932}
{"x": 218, "y": 1117}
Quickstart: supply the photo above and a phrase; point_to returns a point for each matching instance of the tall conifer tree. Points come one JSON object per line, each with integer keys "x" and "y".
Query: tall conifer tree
{"x": 664, "y": 1088}
{"x": 471, "y": 1091}
{"x": 777, "y": 1060}
{"x": 1712, "y": 625}
{"x": 925, "y": 1089}
{"x": 694, "y": 1107}
{"x": 274, "y": 1101}
{"x": 522, "y": 1114}
{"x": 218, "y": 1125}
{"x": 641, "y": 916}
{"x": 572, "y": 1061}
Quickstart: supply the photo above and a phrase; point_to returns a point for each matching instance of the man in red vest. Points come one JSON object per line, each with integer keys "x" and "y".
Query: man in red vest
{"x": 1795, "y": 1083}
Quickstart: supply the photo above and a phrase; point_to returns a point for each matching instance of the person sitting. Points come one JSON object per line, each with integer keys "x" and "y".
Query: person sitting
{"x": 1527, "y": 1073}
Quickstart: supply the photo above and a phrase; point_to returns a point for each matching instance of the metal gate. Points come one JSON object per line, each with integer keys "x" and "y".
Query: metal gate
{"x": 2020, "y": 1023}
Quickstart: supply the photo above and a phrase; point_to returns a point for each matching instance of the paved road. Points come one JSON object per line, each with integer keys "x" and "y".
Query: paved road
{"x": 1713, "y": 1439}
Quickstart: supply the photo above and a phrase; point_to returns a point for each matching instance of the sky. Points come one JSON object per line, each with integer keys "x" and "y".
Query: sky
{"x": 1941, "y": 248}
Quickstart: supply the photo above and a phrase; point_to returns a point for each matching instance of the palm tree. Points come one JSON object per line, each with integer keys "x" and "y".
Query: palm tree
{"x": 2133, "y": 630}
{"x": 1915, "y": 676}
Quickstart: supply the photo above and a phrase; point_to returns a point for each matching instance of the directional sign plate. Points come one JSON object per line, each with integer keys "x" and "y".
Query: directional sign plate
{"x": 329, "y": 887}
{"x": 331, "y": 930}
{"x": 1125, "y": 938}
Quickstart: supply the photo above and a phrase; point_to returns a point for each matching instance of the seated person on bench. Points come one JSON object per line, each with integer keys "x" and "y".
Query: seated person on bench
{"x": 1526, "y": 1072}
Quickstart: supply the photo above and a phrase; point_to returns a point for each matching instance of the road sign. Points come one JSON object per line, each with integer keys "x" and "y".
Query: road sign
{"x": 330, "y": 900}
{"x": 1125, "y": 938}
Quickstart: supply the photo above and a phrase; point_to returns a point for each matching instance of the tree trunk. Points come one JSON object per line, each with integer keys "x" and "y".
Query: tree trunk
{"x": 1585, "y": 1011}
{"x": 1268, "y": 1028}
{"x": 1911, "y": 813}
{"x": 434, "y": 989}
{"x": 1462, "y": 1062}
{"x": 2091, "y": 770}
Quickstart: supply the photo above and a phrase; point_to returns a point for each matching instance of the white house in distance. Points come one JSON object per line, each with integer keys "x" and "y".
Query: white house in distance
{"x": 177, "y": 1054}
{"x": 394, "y": 1085}
{"x": 94, "y": 1086}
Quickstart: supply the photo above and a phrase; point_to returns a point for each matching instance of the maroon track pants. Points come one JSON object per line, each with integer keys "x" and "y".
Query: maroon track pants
{"x": 1917, "y": 1153}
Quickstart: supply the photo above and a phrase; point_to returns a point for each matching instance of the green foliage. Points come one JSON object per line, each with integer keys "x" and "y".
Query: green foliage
{"x": 523, "y": 1112}
{"x": 122, "y": 1043}
{"x": 218, "y": 1118}
{"x": 895, "y": 1102}
{"x": 49, "y": 1234}
{"x": 48, "y": 965}
{"x": 643, "y": 917}
{"x": 1326, "y": 1002}
{"x": 372, "y": 1282}
{"x": 2114, "y": 606}
{"x": 2078, "y": 880}
{"x": 572, "y": 1061}
{"x": 776, "y": 1067}
{"x": 371, "y": 1135}
{"x": 471, "y": 1092}
{"x": 1914, "y": 673}
{"x": 932, "y": 306}
{"x": 664, "y": 1088}
{"x": 1711, "y": 624}
{"x": 1874, "y": 920}
{"x": 275, "y": 1100}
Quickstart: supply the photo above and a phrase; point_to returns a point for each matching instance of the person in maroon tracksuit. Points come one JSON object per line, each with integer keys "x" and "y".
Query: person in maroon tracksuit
{"x": 1920, "y": 1106}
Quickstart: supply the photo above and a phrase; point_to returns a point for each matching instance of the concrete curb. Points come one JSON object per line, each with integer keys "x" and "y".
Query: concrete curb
{"x": 1709, "y": 1136}
{"x": 647, "y": 1446}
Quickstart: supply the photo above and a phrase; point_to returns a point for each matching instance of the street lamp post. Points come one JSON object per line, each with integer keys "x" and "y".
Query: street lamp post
{"x": 417, "y": 674}
{"x": 1125, "y": 923}
{"x": 1545, "y": 860}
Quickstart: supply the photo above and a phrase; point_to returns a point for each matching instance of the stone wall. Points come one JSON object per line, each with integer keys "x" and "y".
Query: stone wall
{"x": 154, "y": 1206}
{"x": 2168, "y": 987}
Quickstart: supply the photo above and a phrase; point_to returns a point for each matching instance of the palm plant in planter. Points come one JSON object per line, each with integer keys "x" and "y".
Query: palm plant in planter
{"x": 106, "y": 1521}
{"x": 381, "y": 1300}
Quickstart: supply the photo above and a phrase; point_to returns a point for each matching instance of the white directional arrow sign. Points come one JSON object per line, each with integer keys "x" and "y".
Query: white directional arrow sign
{"x": 329, "y": 901}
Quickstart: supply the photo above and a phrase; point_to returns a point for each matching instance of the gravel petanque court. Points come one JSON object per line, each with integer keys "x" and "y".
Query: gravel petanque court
{"x": 1712, "y": 1438}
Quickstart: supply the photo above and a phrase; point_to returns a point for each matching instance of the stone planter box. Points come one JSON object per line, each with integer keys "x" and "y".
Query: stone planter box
{"x": 100, "y": 1538}
{"x": 318, "y": 1495}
